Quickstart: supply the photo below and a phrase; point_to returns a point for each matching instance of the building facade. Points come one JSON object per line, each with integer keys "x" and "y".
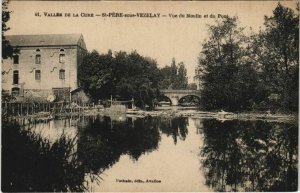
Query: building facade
{"x": 45, "y": 66}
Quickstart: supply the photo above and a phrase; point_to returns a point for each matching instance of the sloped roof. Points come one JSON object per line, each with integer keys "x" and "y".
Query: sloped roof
{"x": 46, "y": 40}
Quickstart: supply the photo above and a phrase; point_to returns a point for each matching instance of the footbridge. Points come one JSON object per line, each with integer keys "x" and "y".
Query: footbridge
{"x": 176, "y": 95}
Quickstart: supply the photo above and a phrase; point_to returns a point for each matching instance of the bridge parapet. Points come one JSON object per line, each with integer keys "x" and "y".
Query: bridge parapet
{"x": 176, "y": 95}
{"x": 180, "y": 91}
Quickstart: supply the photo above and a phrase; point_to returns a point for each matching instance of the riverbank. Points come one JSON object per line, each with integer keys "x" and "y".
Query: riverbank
{"x": 223, "y": 116}
{"x": 175, "y": 112}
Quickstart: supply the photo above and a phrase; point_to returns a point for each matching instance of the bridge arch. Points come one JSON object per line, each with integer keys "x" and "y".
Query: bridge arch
{"x": 191, "y": 99}
{"x": 176, "y": 95}
{"x": 164, "y": 100}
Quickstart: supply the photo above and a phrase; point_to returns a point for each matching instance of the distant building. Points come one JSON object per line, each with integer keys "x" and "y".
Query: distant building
{"x": 45, "y": 66}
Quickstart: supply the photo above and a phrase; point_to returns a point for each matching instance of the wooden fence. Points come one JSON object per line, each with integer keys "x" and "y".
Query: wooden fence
{"x": 23, "y": 109}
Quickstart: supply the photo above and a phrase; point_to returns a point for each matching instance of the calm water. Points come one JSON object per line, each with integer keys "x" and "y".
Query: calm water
{"x": 179, "y": 154}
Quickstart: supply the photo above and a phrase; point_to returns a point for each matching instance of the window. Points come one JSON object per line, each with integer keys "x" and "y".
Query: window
{"x": 15, "y": 92}
{"x": 16, "y": 77}
{"x": 61, "y": 58}
{"x": 38, "y": 59}
{"x": 16, "y": 59}
{"x": 37, "y": 75}
{"x": 61, "y": 74}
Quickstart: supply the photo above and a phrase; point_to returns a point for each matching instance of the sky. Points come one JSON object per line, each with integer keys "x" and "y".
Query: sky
{"x": 160, "y": 38}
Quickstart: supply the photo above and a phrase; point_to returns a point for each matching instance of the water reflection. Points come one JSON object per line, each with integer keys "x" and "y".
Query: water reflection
{"x": 176, "y": 127}
{"x": 232, "y": 155}
{"x": 250, "y": 156}
{"x": 103, "y": 141}
{"x": 33, "y": 163}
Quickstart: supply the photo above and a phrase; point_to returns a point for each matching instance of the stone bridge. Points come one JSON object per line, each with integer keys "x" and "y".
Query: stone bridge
{"x": 176, "y": 95}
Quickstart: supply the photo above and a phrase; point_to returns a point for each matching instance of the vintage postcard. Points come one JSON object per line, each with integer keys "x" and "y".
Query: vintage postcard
{"x": 128, "y": 96}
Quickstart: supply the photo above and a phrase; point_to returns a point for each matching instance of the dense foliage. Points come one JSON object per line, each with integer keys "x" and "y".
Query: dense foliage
{"x": 254, "y": 72}
{"x": 122, "y": 76}
{"x": 173, "y": 76}
{"x": 279, "y": 56}
{"x": 7, "y": 49}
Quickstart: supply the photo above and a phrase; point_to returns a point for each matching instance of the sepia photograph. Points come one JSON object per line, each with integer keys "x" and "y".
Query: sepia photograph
{"x": 149, "y": 96}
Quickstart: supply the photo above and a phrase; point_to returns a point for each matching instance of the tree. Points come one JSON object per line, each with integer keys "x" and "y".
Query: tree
{"x": 181, "y": 80}
{"x": 173, "y": 76}
{"x": 165, "y": 77}
{"x": 7, "y": 49}
{"x": 261, "y": 70}
{"x": 192, "y": 86}
{"x": 124, "y": 76}
{"x": 96, "y": 79}
{"x": 279, "y": 56}
{"x": 173, "y": 70}
{"x": 228, "y": 78}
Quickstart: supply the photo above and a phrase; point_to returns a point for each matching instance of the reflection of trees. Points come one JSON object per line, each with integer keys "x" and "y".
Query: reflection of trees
{"x": 177, "y": 127}
{"x": 250, "y": 156}
{"x": 32, "y": 163}
{"x": 103, "y": 141}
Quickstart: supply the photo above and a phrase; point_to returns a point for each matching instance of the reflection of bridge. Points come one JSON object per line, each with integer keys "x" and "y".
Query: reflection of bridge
{"x": 176, "y": 95}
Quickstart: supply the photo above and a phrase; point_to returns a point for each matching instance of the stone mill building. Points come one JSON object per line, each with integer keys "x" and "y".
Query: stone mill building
{"x": 45, "y": 66}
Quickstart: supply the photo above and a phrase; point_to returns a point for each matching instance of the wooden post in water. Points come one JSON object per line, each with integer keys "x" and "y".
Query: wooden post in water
{"x": 6, "y": 107}
{"x": 132, "y": 105}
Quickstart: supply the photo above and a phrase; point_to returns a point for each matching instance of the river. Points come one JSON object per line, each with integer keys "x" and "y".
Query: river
{"x": 162, "y": 154}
